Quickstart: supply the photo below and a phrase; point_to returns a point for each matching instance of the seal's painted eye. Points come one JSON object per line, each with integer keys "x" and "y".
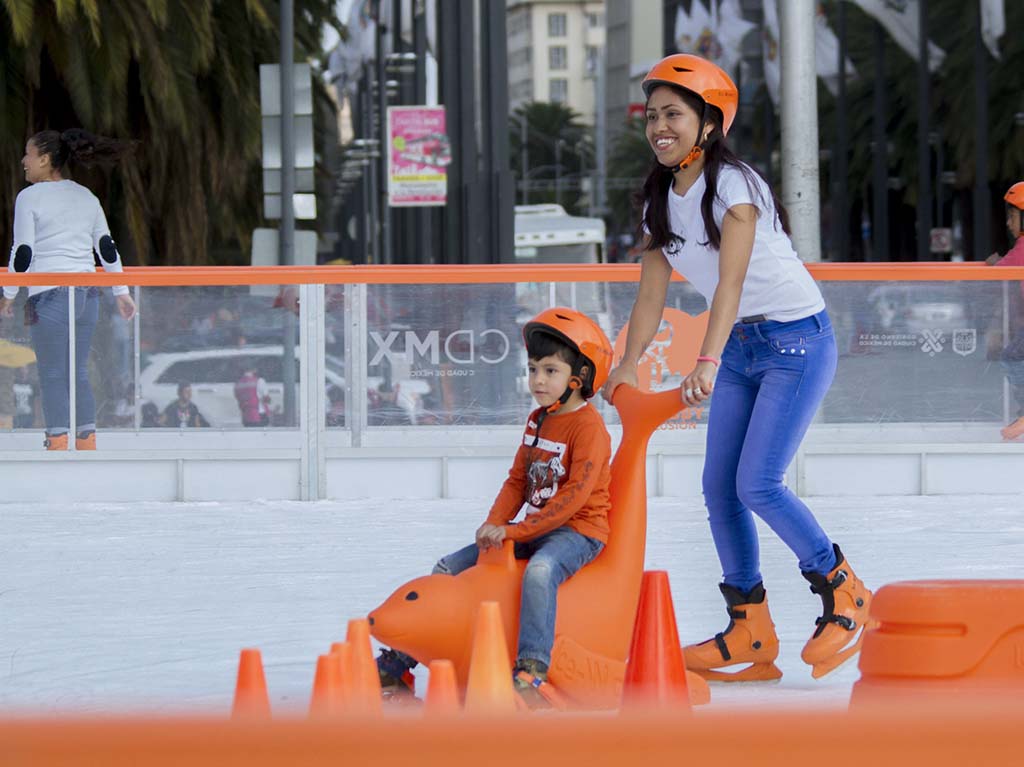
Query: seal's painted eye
{"x": 412, "y": 596}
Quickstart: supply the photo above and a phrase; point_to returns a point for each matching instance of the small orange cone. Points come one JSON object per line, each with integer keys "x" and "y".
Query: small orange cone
{"x": 442, "y": 689}
{"x": 366, "y": 694}
{"x": 655, "y": 670}
{"x": 489, "y": 689}
{"x": 251, "y": 700}
{"x": 327, "y": 697}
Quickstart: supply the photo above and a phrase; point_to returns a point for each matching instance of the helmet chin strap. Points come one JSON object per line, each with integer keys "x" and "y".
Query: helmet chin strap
{"x": 698, "y": 148}
{"x": 575, "y": 382}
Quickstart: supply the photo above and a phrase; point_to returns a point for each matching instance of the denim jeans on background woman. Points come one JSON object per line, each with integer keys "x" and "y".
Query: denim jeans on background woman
{"x": 47, "y": 317}
{"x": 554, "y": 557}
{"x": 772, "y": 379}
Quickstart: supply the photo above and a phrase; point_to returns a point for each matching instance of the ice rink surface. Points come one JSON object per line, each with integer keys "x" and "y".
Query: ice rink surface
{"x": 143, "y": 607}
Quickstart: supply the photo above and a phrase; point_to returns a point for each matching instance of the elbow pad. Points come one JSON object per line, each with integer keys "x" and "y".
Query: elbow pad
{"x": 22, "y": 258}
{"x": 108, "y": 250}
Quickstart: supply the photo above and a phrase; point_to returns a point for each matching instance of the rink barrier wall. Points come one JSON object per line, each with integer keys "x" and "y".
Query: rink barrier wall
{"x": 470, "y": 274}
{"x": 926, "y": 734}
{"x": 312, "y": 462}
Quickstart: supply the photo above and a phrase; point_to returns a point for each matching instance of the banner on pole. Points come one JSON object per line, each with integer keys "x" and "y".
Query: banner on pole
{"x": 418, "y": 156}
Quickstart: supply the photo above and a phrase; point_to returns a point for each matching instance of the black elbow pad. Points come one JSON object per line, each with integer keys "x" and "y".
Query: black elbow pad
{"x": 108, "y": 250}
{"x": 22, "y": 258}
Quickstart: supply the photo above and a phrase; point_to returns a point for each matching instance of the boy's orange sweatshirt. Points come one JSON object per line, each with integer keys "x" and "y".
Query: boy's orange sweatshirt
{"x": 562, "y": 481}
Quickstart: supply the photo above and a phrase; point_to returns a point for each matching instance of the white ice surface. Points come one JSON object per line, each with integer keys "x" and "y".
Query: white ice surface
{"x": 144, "y": 607}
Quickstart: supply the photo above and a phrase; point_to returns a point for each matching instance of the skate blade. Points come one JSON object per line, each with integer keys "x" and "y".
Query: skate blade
{"x": 545, "y": 689}
{"x": 757, "y": 672}
{"x": 819, "y": 669}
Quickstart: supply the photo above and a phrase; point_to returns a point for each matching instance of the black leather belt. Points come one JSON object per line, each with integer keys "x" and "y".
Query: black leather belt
{"x": 751, "y": 320}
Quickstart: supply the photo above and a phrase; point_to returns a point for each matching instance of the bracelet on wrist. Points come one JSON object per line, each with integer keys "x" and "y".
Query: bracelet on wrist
{"x": 704, "y": 358}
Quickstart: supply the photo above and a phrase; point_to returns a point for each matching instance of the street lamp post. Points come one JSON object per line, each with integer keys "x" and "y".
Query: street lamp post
{"x": 558, "y": 171}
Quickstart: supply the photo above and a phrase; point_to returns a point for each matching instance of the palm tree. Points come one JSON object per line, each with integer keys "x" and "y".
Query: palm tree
{"x": 559, "y": 149}
{"x": 181, "y": 78}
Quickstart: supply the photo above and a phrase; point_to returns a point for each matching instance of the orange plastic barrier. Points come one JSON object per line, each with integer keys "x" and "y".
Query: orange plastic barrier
{"x": 944, "y": 638}
{"x": 920, "y": 735}
{"x": 464, "y": 274}
{"x": 432, "y": 617}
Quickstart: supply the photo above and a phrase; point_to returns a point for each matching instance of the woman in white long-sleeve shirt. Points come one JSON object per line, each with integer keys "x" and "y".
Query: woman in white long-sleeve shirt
{"x": 58, "y": 224}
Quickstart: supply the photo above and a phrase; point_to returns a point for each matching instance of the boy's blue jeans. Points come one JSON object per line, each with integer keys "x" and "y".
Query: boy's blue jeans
{"x": 554, "y": 557}
{"x": 772, "y": 378}
{"x": 48, "y": 325}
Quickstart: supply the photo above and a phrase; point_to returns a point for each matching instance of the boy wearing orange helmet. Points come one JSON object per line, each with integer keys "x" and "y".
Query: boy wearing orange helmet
{"x": 557, "y": 489}
{"x": 1012, "y": 355}
{"x": 769, "y": 355}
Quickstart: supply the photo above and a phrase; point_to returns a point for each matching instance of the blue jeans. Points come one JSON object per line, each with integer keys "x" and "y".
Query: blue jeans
{"x": 772, "y": 378}
{"x": 554, "y": 557}
{"x": 47, "y": 316}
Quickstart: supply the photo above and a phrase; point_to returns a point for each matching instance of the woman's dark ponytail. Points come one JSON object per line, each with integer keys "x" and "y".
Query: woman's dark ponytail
{"x": 80, "y": 146}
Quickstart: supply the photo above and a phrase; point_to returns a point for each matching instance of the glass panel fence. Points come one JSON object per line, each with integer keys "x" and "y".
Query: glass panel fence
{"x": 444, "y": 355}
{"x": 219, "y": 357}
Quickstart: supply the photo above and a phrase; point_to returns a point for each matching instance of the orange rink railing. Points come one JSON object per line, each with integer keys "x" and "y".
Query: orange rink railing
{"x": 483, "y": 274}
{"x": 936, "y": 736}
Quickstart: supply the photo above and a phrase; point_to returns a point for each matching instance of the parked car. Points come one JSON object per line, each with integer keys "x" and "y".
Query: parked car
{"x": 213, "y": 373}
{"x": 915, "y": 308}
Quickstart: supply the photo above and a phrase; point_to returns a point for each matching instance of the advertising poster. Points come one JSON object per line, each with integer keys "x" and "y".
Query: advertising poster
{"x": 418, "y": 155}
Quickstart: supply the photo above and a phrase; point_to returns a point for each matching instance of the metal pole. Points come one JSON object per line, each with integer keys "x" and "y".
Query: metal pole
{"x": 558, "y": 172}
{"x": 982, "y": 203}
{"x": 880, "y": 211}
{"x": 841, "y": 212}
{"x": 799, "y": 102}
{"x": 286, "y": 237}
{"x": 924, "y": 156}
{"x": 524, "y": 153}
{"x": 600, "y": 136}
{"x": 382, "y": 104}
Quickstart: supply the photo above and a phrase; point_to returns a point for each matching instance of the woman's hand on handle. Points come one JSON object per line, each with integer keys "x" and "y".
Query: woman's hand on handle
{"x": 698, "y": 386}
{"x": 623, "y": 373}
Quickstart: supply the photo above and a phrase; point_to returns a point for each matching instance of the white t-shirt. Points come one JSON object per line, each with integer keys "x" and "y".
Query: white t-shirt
{"x": 777, "y": 284}
{"x": 62, "y": 222}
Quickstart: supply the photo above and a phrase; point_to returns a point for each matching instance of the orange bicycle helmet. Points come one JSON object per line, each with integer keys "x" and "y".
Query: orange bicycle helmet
{"x": 583, "y": 336}
{"x": 700, "y": 77}
{"x": 1015, "y": 195}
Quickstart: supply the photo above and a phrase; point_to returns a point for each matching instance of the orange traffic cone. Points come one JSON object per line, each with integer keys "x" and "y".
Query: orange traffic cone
{"x": 655, "y": 670}
{"x": 327, "y": 698}
{"x": 251, "y": 700}
{"x": 366, "y": 695}
{"x": 489, "y": 688}
{"x": 442, "y": 689}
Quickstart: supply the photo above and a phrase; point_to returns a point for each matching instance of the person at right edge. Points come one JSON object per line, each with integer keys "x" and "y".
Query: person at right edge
{"x": 769, "y": 356}
{"x": 1012, "y": 355}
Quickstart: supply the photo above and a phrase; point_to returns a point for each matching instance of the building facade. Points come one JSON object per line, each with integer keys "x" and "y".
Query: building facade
{"x": 554, "y": 49}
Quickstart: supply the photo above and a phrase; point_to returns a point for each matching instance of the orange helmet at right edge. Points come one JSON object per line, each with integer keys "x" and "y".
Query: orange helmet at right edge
{"x": 581, "y": 334}
{"x": 1015, "y": 195}
{"x": 701, "y": 77}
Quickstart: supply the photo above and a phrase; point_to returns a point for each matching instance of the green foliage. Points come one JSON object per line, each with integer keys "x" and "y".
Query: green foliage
{"x": 180, "y": 78}
{"x": 554, "y": 132}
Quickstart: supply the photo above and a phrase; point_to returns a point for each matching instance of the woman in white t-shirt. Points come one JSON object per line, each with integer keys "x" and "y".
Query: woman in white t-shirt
{"x": 769, "y": 356}
{"x": 58, "y": 224}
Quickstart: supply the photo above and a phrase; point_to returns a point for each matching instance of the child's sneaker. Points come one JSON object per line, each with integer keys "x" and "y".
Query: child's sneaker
{"x": 395, "y": 671}
{"x": 529, "y": 677}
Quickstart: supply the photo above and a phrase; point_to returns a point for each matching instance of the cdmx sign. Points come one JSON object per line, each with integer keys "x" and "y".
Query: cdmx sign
{"x": 460, "y": 347}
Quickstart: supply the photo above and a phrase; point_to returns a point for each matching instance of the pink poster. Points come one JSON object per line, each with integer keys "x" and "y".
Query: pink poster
{"x": 418, "y": 155}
